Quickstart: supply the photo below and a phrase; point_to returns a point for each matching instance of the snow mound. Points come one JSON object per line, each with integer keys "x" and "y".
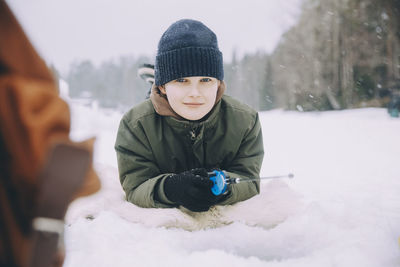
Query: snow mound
{"x": 276, "y": 203}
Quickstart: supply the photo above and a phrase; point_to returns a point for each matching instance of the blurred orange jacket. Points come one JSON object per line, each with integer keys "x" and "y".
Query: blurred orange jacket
{"x": 33, "y": 118}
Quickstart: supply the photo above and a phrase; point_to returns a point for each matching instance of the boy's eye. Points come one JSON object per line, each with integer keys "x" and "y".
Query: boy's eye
{"x": 206, "y": 80}
{"x": 180, "y": 80}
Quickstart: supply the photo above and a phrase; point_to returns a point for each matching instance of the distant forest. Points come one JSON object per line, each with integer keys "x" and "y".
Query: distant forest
{"x": 341, "y": 54}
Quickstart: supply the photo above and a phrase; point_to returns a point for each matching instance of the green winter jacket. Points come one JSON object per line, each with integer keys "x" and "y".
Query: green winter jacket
{"x": 150, "y": 147}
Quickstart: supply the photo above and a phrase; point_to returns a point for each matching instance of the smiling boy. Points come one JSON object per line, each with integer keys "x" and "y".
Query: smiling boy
{"x": 191, "y": 97}
{"x": 166, "y": 145}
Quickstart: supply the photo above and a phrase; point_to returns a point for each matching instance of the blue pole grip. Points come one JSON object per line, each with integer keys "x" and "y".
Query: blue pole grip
{"x": 219, "y": 180}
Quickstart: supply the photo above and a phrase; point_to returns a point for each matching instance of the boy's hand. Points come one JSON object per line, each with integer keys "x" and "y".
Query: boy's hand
{"x": 191, "y": 189}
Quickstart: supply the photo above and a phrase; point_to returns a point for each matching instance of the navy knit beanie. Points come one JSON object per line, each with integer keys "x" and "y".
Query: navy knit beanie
{"x": 188, "y": 48}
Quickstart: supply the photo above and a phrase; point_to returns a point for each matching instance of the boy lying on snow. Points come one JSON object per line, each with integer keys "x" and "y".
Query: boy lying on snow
{"x": 166, "y": 145}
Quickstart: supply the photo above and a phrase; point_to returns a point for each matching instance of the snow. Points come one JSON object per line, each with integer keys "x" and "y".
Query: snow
{"x": 341, "y": 208}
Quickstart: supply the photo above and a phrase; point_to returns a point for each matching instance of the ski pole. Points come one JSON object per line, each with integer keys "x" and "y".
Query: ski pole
{"x": 221, "y": 181}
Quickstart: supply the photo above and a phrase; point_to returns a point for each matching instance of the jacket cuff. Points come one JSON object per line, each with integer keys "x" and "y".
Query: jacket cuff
{"x": 161, "y": 197}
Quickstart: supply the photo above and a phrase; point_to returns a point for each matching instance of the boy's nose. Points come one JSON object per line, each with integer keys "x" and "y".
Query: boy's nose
{"x": 194, "y": 90}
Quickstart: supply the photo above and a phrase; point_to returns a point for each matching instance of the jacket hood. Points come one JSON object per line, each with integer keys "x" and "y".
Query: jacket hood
{"x": 17, "y": 55}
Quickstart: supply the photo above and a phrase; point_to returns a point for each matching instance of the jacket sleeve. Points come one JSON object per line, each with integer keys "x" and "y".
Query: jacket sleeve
{"x": 138, "y": 172}
{"x": 246, "y": 164}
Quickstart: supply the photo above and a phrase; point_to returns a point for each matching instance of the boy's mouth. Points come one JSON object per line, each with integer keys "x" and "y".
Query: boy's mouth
{"x": 193, "y": 104}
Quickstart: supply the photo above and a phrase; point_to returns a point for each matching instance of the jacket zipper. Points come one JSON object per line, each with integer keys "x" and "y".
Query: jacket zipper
{"x": 193, "y": 134}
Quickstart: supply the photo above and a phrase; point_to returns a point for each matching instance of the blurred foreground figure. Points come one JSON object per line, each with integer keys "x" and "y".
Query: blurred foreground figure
{"x": 41, "y": 170}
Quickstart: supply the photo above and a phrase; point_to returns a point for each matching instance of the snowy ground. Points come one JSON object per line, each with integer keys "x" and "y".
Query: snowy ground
{"x": 341, "y": 209}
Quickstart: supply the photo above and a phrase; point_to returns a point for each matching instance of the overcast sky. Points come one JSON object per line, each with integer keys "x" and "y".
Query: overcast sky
{"x": 68, "y": 30}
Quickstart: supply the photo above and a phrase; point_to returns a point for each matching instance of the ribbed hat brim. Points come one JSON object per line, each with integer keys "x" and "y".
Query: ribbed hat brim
{"x": 188, "y": 62}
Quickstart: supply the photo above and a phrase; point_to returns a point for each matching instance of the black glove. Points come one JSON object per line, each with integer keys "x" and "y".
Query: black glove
{"x": 191, "y": 189}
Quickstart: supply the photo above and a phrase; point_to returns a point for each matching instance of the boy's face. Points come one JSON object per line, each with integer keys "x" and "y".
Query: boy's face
{"x": 191, "y": 97}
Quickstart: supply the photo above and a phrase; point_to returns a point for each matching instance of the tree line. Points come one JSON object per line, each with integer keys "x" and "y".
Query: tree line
{"x": 340, "y": 54}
